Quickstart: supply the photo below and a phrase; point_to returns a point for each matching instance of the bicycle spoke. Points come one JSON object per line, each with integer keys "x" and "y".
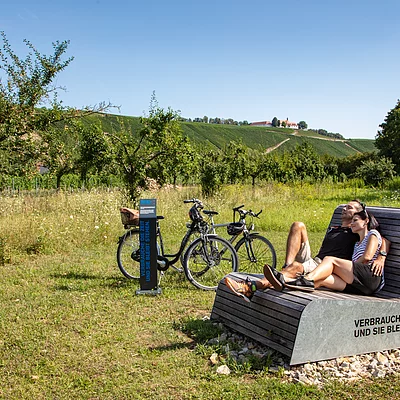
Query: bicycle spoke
{"x": 254, "y": 254}
{"x": 207, "y": 263}
{"x": 128, "y": 255}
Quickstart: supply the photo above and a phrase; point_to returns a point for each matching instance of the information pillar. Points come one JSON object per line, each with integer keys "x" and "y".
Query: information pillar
{"x": 148, "y": 247}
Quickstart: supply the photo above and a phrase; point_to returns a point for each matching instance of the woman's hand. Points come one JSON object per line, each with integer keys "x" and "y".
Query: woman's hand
{"x": 377, "y": 266}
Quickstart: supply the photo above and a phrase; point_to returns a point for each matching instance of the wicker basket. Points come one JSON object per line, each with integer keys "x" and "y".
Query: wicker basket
{"x": 129, "y": 216}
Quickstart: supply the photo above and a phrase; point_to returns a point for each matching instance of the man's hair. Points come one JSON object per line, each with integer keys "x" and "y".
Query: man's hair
{"x": 360, "y": 203}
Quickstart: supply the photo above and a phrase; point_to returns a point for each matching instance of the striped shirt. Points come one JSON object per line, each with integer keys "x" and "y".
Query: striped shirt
{"x": 360, "y": 247}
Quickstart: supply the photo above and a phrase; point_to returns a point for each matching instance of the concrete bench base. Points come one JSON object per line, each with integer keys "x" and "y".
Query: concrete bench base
{"x": 311, "y": 326}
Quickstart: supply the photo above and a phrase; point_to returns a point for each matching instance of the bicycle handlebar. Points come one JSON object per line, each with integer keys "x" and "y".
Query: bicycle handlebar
{"x": 198, "y": 202}
{"x": 243, "y": 213}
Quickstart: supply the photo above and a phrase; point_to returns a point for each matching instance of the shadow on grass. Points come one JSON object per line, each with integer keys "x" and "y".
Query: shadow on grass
{"x": 174, "y": 346}
{"x": 113, "y": 282}
{"x": 76, "y": 275}
{"x": 198, "y": 329}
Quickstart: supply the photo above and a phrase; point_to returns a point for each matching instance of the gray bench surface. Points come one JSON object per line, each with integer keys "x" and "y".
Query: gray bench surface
{"x": 322, "y": 324}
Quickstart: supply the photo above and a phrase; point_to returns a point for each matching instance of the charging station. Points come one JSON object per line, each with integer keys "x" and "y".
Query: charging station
{"x": 148, "y": 247}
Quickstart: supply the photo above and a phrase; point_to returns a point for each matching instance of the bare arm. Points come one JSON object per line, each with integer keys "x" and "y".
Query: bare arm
{"x": 379, "y": 263}
{"x": 370, "y": 250}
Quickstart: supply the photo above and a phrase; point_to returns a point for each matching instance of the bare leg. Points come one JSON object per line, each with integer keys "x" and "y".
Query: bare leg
{"x": 333, "y": 282}
{"x": 292, "y": 271}
{"x": 297, "y": 236}
{"x": 333, "y": 265}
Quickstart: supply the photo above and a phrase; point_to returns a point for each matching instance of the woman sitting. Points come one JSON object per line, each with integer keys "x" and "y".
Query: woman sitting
{"x": 354, "y": 276}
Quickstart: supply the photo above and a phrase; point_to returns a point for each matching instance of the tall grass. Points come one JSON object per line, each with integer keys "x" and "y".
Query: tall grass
{"x": 71, "y": 326}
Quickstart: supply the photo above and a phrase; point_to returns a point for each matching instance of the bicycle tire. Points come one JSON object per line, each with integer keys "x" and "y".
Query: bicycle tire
{"x": 205, "y": 265}
{"x": 262, "y": 249}
{"x": 128, "y": 254}
{"x": 192, "y": 238}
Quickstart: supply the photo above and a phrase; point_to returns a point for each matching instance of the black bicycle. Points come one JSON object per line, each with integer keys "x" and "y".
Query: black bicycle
{"x": 206, "y": 260}
{"x": 253, "y": 249}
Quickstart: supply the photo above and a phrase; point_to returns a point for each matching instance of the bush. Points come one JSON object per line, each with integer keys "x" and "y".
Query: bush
{"x": 376, "y": 172}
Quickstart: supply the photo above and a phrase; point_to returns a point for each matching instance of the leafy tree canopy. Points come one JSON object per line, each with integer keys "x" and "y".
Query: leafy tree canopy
{"x": 387, "y": 139}
{"x": 29, "y": 104}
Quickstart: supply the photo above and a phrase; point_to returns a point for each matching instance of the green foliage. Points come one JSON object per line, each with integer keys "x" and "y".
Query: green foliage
{"x": 95, "y": 155}
{"x": 350, "y": 164}
{"x": 302, "y": 125}
{"x": 32, "y": 120}
{"x": 257, "y": 166}
{"x": 28, "y": 85}
{"x": 376, "y": 172}
{"x": 212, "y": 171}
{"x": 157, "y": 151}
{"x": 303, "y": 163}
{"x": 236, "y": 162}
{"x": 388, "y": 138}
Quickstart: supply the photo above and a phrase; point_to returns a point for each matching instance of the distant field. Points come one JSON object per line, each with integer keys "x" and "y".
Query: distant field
{"x": 211, "y": 136}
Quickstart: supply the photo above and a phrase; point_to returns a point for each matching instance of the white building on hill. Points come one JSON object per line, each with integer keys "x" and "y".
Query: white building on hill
{"x": 286, "y": 123}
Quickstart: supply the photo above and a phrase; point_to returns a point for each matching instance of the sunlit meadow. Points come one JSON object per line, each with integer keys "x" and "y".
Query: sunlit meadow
{"x": 72, "y": 326}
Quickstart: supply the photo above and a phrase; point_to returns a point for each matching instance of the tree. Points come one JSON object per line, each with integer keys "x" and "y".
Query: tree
{"x": 376, "y": 172}
{"x": 275, "y": 122}
{"x": 302, "y": 125}
{"x": 153, "y": 152}
{"x": 205, "y": 119}
{"x": 212, "y": 172}
{"x": 236, "y": 162}
{"x": 94, "y": 150}
{"x": 304, "y": 162}
{"x": 30, "y": 112}
{"x": 387, "y": 139}
{"x": 256, "y": 165}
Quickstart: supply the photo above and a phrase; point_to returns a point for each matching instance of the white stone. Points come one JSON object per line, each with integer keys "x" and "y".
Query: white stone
{"x": 214, "y": 358}
{"x": 223, "y": 370}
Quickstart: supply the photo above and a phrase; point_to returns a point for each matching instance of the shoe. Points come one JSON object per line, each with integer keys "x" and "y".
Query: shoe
{"x": 301, "y": 283}
{"x": 275, "y": 278}
{"x": 244, "y": 289}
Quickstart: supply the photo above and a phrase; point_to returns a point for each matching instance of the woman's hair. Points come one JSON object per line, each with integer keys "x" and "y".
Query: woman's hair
{"x": 372, "y": 223}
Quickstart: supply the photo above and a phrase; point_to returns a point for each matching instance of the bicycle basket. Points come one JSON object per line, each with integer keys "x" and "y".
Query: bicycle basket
{"x": 235, "y": 228}
{"x": 129, "y": 216}
{"x": 194, "y": 214}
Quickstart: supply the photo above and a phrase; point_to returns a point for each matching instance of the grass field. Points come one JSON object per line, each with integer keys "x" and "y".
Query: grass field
{"x": 72, "y": 327}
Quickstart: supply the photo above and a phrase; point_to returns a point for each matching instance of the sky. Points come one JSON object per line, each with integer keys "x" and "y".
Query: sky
{"x": 334, "y": 64}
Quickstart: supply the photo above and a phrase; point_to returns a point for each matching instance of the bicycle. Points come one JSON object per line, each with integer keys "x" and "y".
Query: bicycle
{"x": 253, "y": 250}
{"x": 206, "y": 260}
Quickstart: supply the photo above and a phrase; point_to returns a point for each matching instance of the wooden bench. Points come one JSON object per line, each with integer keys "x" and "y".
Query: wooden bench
{"x": 323, "y": 324}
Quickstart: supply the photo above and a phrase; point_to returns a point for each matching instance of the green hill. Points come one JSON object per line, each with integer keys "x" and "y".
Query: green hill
{"x": 260, "y": 138}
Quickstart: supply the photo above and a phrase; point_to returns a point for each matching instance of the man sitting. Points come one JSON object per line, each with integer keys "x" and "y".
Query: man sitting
{"x": 339, "y": 242}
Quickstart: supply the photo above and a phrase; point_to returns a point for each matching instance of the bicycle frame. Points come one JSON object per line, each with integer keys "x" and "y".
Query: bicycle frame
{"x": 247, "y": 230}
{"x": 171, "y": 259}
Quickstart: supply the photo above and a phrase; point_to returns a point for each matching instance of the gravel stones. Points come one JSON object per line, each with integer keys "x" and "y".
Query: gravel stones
{"x": 344, "y": 369}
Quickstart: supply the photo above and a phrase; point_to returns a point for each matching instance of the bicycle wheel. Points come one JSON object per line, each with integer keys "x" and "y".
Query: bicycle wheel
{"x": 128, "y": 254}
{"x": 254, "y": 252}
{"x": 208, "y": 260}
{"x": 192, "y": 238}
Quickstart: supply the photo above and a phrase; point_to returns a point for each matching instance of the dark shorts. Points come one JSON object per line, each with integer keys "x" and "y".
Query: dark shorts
{"x": 364, "y": 281}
